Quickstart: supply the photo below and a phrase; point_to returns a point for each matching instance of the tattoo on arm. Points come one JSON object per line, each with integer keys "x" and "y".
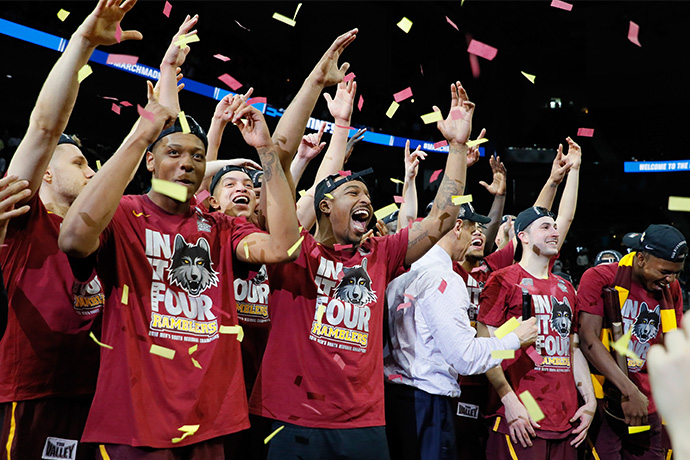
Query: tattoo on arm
{"x": 417, "y": 228}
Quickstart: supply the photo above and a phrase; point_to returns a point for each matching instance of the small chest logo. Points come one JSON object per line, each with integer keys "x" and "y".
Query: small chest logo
{"x": 60, "y": 449}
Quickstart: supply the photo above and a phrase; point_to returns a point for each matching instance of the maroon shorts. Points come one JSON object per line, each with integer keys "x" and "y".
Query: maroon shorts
{"x": 211, "y": 449}
{"x": 47, "y": 428}
{"x": 500, "y": 447}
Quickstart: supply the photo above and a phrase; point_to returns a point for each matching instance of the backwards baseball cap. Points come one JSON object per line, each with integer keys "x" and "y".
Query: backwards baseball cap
{"x": 194, "y": 128}
{"x": 332, "y": 182}
{"x": 65, "y": 139}
{"x": 223, "y": 171}
{"x": 662, "y": 241}
{"x": 392, "y": 217}
{"x": 607, "y": 256}
{"x": 466, "y": 212}
{"x": 529, "y": 215}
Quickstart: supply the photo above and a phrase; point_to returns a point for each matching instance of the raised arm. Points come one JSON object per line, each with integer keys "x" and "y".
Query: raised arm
{"x": 559, "y": 168}
{"x": 59, "y": 93}
{"x": 498, "y": 189}
{"x": 456, "y": 129}
{"x": 94, "y": 208}
{"x": 566, "y": 209}
{"x": 221, "y": 116}
{"x": 308, "y": 149}
{"x": 174, "y": 57}
{"x": 409, "y": 205}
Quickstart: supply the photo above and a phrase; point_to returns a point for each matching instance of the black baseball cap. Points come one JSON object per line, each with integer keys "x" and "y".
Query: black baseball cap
{"x": 392, "y": 217}
{"x": 332, "y": 182}
{"x": 467, "y": 213}
{"x": 223, "y": 171}
{"x": 194, "y": 128}
{"x": 607, "y": 256}
{"x": 529, "y": 215}
{"x": 662, "y": 241}
{"x": 65, "y": 139}
{"x": 257, "y": 176}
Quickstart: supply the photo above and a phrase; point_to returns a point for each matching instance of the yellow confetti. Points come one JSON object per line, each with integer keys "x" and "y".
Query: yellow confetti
{"x": 125, "y": 294}
{"x": 531, "y": 405}
{"x": 461, "y": 199}
{"x": 506, "y": 328}
{"x": 188, "y": 430}
{"x": 319, "y": 313}
{"x": 246, "y": 250}
{"x": 182, "y": 41}
{"x": 386, "y": 210}
{"x": 285, "y": 19}
{"x": 183, "y": 122}
{"x": 196, "y": 363}
{"x": 270, "y": 436}
{"x": 477, "y": 142}
{"x": 679, "y": 203}
{"x": 392, "y": 109}
{"x": 668, "y": 320}
{"x": 503, "y": 354}
{"x": 405, "y": 24}
{"x": 98, "y": 165}
{"x": 162, "y": 351}
{"x": 638, "y": 429}
{"x": 432, "y": 117}
{"x": 621, "y": 346}
{"x": 193, "y": 349}
{"x": 397, "y": 181}
{"x": 328, "y": 195}
{"x": 62, "y": 14}
{"x": 299, "y": 5}
{"x": 295, "y": 246}
{"x": 84, "y": 72}
{"x": 100, "y": 344}
{"x": 302, "y": 192}
{"x": 528, "y": 76}
{"x": 233, "y": 330}
{"x": 175, "y": 191}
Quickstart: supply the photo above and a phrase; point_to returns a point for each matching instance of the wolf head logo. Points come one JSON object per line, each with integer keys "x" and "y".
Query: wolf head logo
{"x": 646, "y": 325}
{"x": 191, "y": 266}
{"x": 355, "y": 285}
{"x": 261, "y": 276}
{"x": 561, "y": 316}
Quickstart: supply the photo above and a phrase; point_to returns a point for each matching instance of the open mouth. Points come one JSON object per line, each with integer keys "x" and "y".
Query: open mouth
{"x": 477, "y": 242}
{"x": 360, "y": 218}
{"x": 243, "y": 200}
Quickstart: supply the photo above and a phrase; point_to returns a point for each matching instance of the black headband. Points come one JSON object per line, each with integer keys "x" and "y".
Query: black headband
{"x": 194, "y": 128}
{"x": 334, "y": 181}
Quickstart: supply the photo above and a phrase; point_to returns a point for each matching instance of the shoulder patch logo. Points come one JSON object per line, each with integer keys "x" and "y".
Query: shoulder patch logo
{"x": 191, "y": 267}
{"x": 355, "y": 286}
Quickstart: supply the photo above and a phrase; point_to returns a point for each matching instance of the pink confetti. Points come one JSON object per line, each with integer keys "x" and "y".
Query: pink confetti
{"x": 474, "y": 66}
{"x": 395, "y": 376}
{"x": 585, "y": 132}
{"x": 126, "y": 104}
{"x": 633, "y": 31}
{"x": 315, "y": 252}
{"x": 360, "y": 103}
{"x": 145, "y": 113}
{"x": 309, "y": 407}
{"x": 340, "y": 247}
{"x": 121, "y": 59}
{"x": 242, "y": 26}
{"x": 409, "y": 296}
{"x": 482, "y": 50}
{"x": 231, "y": 82}
{"x": 435, "y": 175}
{"x": 115, "y": 108}
{"x": 118, "y": 33}
{"x": 256, "y": 100}
{"x": 167, "y": 8}
{"x": 345, "y": 173}
{"x": 536, "y": 357}
{"x": 110, "y": 98}
{"x": 561, "y": 5}
{"x": 440, "y": 144}
{"x": 348, "y": 77}
{"x": 402, "y": 95}
{"x": 452, "y": 24}
{"x": 421, "y": 69}
{"x": 339, "y": 361}
{"x": 403, "y": 305}
{"x": 418, "y": 219}
{"x": 455, "y": 114}
{"x": 442, "y": 286}
{"x": 398, "y": 199}
{"x": 202, "y": 195}
{"x": 221, "y": 57}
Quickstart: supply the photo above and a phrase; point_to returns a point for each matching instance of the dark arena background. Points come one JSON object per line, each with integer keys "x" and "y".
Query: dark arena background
{"x": 588, "y": 75}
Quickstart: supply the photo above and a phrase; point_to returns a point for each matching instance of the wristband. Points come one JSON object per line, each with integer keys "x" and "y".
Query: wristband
{"x": 344, "y": 127}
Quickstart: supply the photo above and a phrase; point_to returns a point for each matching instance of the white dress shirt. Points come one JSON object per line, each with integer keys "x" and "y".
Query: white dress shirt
{"x": 432, "y": 341}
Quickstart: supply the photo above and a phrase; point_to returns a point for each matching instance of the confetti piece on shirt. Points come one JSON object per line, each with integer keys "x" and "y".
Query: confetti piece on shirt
{"x": 115, "y": 108}
{"x": 392, "y": 109}
{"x": 121, "y": 59}
{"x": 233, "y": 330}
{"x": 98, "y": 165}
{"x": 402, "y": 95}
{"x": 482, "y": 50}
{"x": 84, "y": 72}
{"x": 167, "y": 8}
{"x": 585, "y": 132}
{"x": 345, "y": 173}
{"x": 170, "y": 189}
{"x": 270, "y": 436}
{"x": 62, "y": 14}
{"x": 440, "y": 144}
{"x": 633, "y": 31}
{"x": 340, "y": 247}
{"x": 221, "y": 57}
{"x": 535, "y": 356}
{"x": 506, "y": 328}
{"x": 452, "y": 24}
{"x": 312, "y": 408}
{"x": 529, "y": 76}
{"x": 144, "y": 113}
{"x": 125, "y": 294}
{"x": 295, "y": 246}
{"x": 201, "y": 196}
{"x": 339, "y": 361}
{"x": 398, "y": 199}
{"x": 432, "y": 117}
{"x": 246, "y": 250}
{"x": 403, "y": 305}
{"x": 360, "y": 103}
{"x": 435, "y": 175}
{"x": 442, "y": 286}
{"x": 348, "y": 77}
{"x": 386, "y": 210}
{"x": 231, "y": 82}
{"x": 100, "y": 344}
{"x": 561, "y": 5}
{"x": 319, "y": 313}
{"x": 668, "y": 320}
{"x": 477, "y": 142}
{"x": 196, "y": 363}
{"x": 118, "y": 33}
{"x": 531, "y": 405}
{"x": 188, "y": 430}
{"x": 503, "y": 354}
{"x": 256, "y": 100}
{"x": 284, "y": 19}
{"x": 638, "y": 429}
{"x": 461, "y": 199}
{"x": 183, "y": 41}
{"x": 405, "y": 24}
{"x": 125, "y": 104}
{"x": 183, "y": 122}
{"x": 395, "y": 376}
{"x": 621, "y": 346}
{"x": 163, "y": 352}
{"x": 397, "y": 181}
{"x": 193, "y": 349}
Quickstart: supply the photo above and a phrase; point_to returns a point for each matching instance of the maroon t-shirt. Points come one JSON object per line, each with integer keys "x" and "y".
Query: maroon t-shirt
{"x": 46, "y": 350}
{"x": 641, "y": 312}
{"x": 551, "y": 382}
{"x": 328, "y": 373}
{"x": 179, "y": 272}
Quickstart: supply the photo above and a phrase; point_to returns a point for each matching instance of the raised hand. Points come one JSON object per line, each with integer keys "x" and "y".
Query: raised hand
{"x": 226, "y": 106}
{"x": 498, "y": 184}
{"x": 559, "y": 167}
{"x": 352, "y": 142}
{"x": 163, "y": 117}
{"x": 252, "y": 125}
{"x": 473, "y": 152}
{"x": 327, "y": 72}
{"x": 174, "y": 55}
{"x": 100, "y": 26}
{"x": 412, "y": 160}
{"x": 574, "y": 155}
{"x": 457, "y": 126}
{"x": 341, "y": 106}
{"x": 311, "y": 145}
